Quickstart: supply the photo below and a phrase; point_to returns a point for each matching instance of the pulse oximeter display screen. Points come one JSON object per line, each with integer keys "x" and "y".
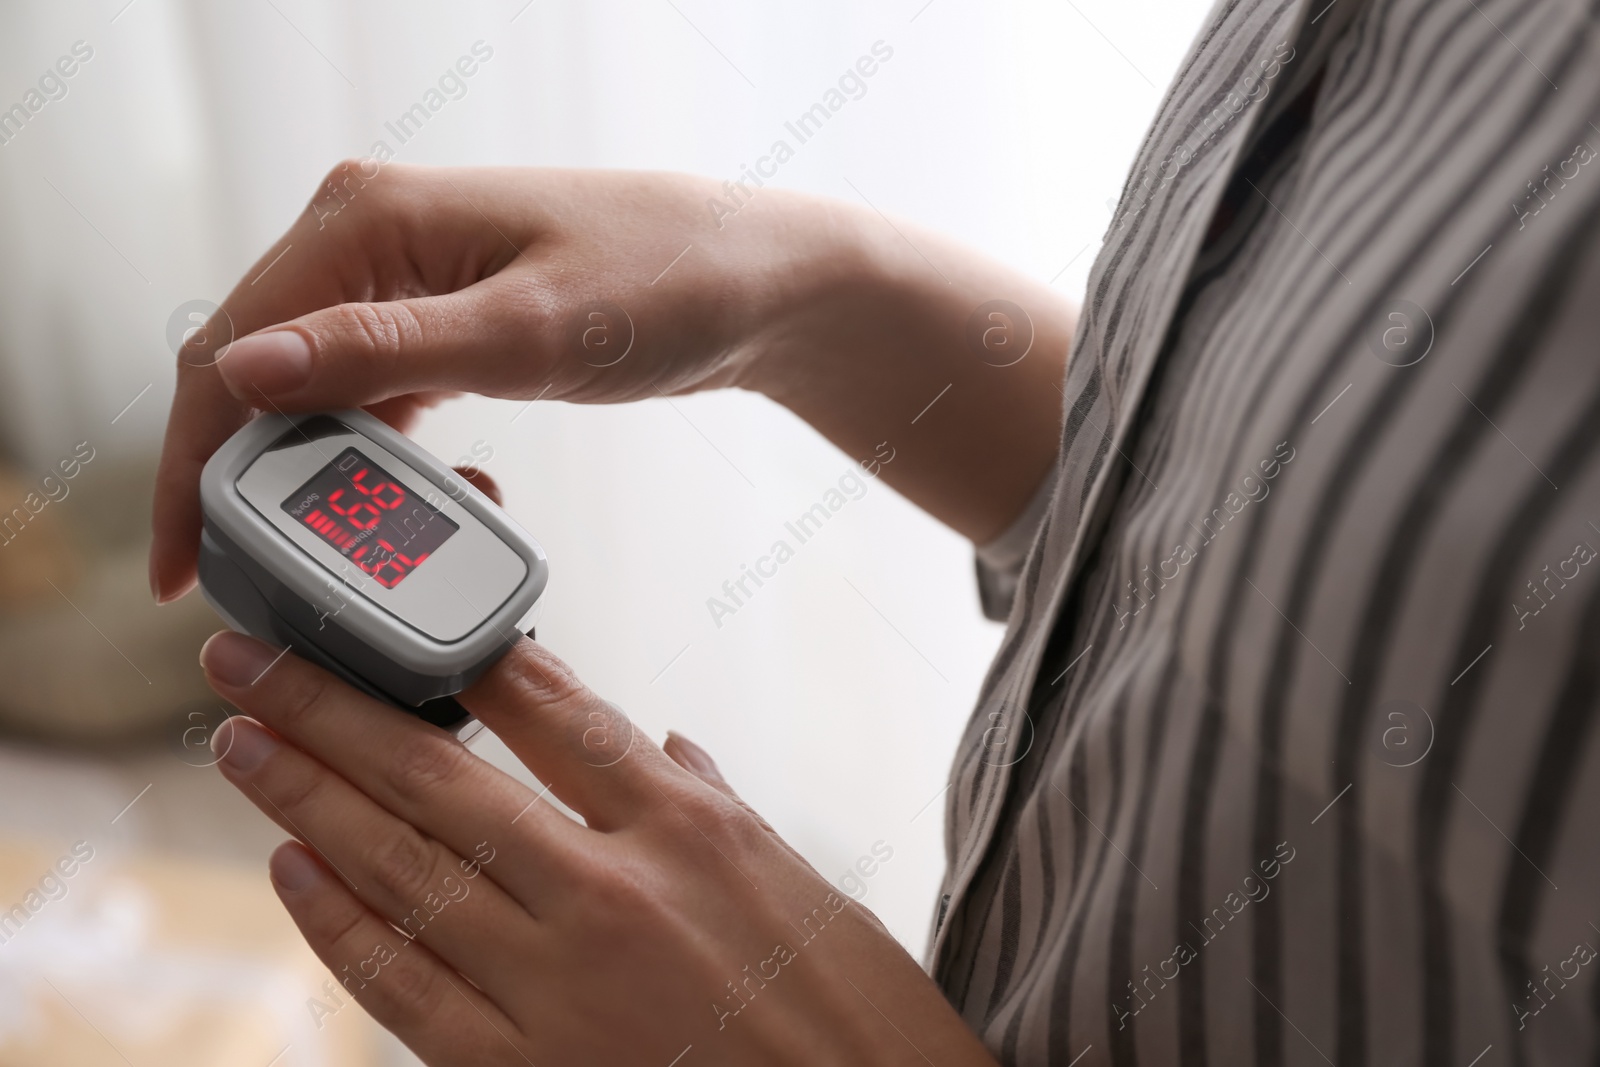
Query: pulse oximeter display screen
{"x": 374, "y": 521}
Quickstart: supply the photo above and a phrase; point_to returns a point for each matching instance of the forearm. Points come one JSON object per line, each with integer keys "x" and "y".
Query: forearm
{"x": 887, "y": 345}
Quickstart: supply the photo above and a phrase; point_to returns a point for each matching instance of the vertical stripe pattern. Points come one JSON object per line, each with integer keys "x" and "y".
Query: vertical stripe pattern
{"x": 1288, "y": 754}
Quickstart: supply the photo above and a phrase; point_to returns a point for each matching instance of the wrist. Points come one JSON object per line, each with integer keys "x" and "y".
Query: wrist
{"x": 866, "y": 329}
{"x": 808, "y": 280}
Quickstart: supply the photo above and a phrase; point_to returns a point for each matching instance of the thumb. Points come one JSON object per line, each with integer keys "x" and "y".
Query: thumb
{"x": 356, "y": 354}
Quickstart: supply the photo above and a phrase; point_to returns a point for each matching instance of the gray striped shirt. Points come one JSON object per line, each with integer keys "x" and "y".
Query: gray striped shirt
{"x": 1287, "y": 754}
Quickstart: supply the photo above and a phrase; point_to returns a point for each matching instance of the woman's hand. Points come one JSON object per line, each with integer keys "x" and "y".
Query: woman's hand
{"x": 400, "y": 284}
{"x": 483, "y": 926}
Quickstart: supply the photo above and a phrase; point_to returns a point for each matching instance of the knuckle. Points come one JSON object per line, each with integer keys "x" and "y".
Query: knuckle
{"x": 342, "y": 171}
{"x": 359, "y": 198}
{"x": 299, "y": 698}
{"x": 411, "y": 989}
{"x": 540, "y": 315}
{"x": 293, "y": 787}
{"x": 541, "y": 676}
{"x": 602, "y": 733}
{"x": 540, "y": 308}
{"x": 709, "y": 812}
{"x": 422, "y": 765}
{"x": 618, "y": 890}
{"x": 402, "y": 867}
{"x": 377, "y": 331}
{"x": 338, "y": 932}
{"x": 754, "y": 816}
{"x": 347, "y": 180}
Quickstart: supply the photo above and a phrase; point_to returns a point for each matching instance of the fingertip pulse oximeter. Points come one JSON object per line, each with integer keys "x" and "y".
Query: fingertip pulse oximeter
{"x": 335, "y": 536}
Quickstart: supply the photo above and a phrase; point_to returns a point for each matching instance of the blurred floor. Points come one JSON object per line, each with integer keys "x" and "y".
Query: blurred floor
{"x": 166, "y": 945}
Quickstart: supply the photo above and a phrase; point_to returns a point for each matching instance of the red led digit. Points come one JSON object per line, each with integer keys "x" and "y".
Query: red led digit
{"x": 405, "y": 562}
{"x": 389, "y": 504}
{"x": 392, "y": 568}
{"x": 355, "y": 517}
{"x": 357, "y": 507}
{"x": 376, "y": 492}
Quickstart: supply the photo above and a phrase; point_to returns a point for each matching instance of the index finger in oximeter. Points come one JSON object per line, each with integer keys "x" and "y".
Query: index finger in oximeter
{"x": 335, "y": 536}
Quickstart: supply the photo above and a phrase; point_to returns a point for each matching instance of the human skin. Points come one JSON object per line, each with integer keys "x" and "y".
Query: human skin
{"x": 614, "y": 940}
{"x": 428, "y": 281}
{"x": 540, "y": 939}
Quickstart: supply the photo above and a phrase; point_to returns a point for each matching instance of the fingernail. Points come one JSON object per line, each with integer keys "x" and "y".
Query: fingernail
{"x": 698, "y": 757}
{"x": 292, "y": 867}
{"x": 242, "y": 744}
{"x": 235, "y": 659}
{"x": 276, "y": 361}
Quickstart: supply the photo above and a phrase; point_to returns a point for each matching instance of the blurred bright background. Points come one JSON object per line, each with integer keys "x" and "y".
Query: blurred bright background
{"x": 186, "y": 143}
